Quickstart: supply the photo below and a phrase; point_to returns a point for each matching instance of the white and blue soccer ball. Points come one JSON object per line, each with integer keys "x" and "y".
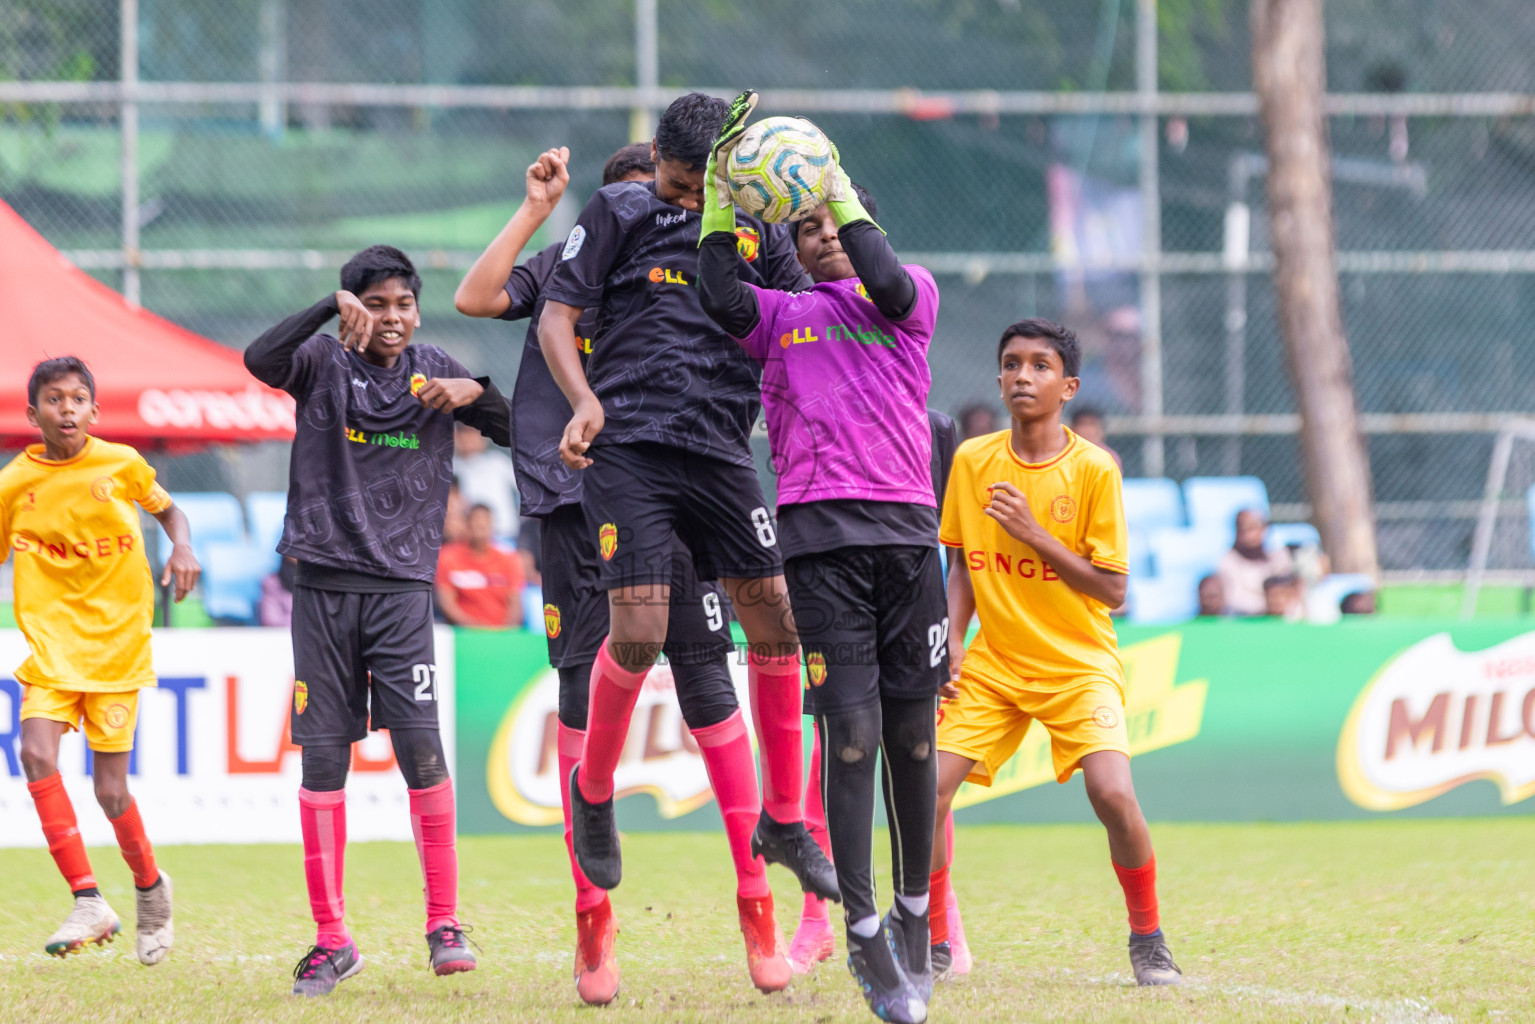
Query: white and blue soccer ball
{"x": 780, "y": 169}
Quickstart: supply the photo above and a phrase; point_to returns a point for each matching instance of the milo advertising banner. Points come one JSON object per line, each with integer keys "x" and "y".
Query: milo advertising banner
{"x": 1228, "y": 721}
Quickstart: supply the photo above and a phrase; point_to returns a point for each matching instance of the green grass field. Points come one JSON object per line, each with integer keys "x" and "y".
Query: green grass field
{"x": 1398, "y": 921}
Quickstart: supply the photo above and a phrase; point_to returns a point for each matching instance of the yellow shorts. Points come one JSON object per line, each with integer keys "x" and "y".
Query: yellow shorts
{"x": 989, "y": 720}
{"x": 109, "y": 717}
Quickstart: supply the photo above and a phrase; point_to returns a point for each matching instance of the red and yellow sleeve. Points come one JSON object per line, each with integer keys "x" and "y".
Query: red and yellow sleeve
{"x": 142, "y": 487}
{"x": 950, "y": 528}
{"x": 1108, "y": 538}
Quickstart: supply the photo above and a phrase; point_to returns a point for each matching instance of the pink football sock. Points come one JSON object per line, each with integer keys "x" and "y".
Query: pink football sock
{"x": 588, "y": 896}
{"x": 613, "y": 693}
{"x": 727, "y": 752}
{"x": 434, "y": 823}
{"x": 815, "y": 821}
{"x": 776, "y": 710}
{"x": 323, "y": 817}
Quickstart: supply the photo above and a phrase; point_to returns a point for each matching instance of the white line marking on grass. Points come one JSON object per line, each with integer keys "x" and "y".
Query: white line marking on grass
{"x": 1408, "y": 1010}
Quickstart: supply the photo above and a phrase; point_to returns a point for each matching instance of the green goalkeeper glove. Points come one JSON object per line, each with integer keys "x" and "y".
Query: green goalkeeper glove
{"x": 719, "y": 210}
{"x": 841, "y": 199}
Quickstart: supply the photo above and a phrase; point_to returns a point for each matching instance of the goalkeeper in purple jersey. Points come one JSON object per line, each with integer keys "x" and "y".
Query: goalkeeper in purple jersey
{"x": 844, "y": 392}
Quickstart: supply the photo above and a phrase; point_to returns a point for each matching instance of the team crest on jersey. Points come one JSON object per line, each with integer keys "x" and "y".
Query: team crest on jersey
{"x": 417, "y": 382}
{"x": 552, "y": 620}
{"x": 1063, "y": 509}
{"x": 117, "y": 716}
{"x": 747, "y": 243}
{"x": 1105, "y": 716}
{"x": 101, "y": 488}
{"x": 607, "y": 541}
{"x": 300, "y": 696}
{"x": 863, "y": 291}
{"x": 815, "y": 665}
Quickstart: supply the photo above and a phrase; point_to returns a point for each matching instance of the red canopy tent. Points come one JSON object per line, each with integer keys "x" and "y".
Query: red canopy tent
{"x": 155, "y": 381}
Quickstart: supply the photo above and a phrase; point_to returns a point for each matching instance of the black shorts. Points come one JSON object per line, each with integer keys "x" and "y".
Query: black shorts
{"x": 348, "y": 647}
{"x": 576, "y": 602}
{"x": 873, "y": 622}
{"x": 638, "y": 497}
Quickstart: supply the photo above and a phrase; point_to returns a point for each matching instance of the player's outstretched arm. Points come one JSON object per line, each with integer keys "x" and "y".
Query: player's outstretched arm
{"x": 1010, "y": 508}
{"x": 889, "y": 285}
{"x": 724, "y": 298}
{"x": 557, "y": 338}
{"x": 270, "y": 357}
{"x": 482, "y": 292}
{"x": 182, "y": 566}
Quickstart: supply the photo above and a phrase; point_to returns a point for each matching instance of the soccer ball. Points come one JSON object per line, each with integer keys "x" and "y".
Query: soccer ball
{"x": 780, "y": 169}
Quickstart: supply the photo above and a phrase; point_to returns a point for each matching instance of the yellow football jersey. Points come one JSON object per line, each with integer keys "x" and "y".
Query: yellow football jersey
{"x": 1034, "y": 626}
{"x": 84, "y": 593}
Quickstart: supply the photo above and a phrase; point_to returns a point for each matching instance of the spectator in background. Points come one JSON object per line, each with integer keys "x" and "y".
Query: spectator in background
{"x": 455, "y": 523}
{"x": 1282, "y": 598}
{"x": 978, "y": 419}
{"x": 1212, "y": 597}
{"x": 1087, "y": 423}
{"x": 479, "y": 584}
{"x": 275, "y": 606}
{"x": 486, "y": 477}
{"x": 1360, "y": 602}
{"x": 1244, "y": 568}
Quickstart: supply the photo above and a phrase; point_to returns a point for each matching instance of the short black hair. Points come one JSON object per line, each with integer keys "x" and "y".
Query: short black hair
{"x": 1062, "y": 339}
{"x": 633, "y": 158}
{"x": 57, "y": 368}
{"x": 379, "y": 263}
{"x": 869, "y": 205}
{"x": 480, "y": 506}
{"x": 1085, "y": 412}
{"x": 1288, "y": 579}
{"x": 686, "y": 132}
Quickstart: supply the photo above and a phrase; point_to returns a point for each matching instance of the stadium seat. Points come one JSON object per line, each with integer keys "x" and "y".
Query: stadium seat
{"x": 264, "y": 511}
{"x": 1214, "y": 501}
{"x": 1171, "y": 597}
{"x": 1284, "y": 534}
{"x": 1192, "y": 552}
{"x": 533, "y": 608}
{"x": 214, "y": 516}
{"x": 231, "y": 582}
{"x": 1140, "y": 553}
{"x": 1152, "y": 503}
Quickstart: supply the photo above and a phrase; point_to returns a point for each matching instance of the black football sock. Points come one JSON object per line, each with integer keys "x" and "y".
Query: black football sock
{"x": 910, "y": 731}
{"x": 82, "y": 893}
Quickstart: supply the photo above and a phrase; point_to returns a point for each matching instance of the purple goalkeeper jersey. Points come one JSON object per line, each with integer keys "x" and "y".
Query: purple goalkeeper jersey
{"x": 844, "y": 393}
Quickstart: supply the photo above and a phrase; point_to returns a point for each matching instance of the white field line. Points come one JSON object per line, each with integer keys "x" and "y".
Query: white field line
{"x": 1407, "y": 1010}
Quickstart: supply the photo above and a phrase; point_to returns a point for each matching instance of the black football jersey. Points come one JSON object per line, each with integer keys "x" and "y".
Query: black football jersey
{"x": 664, "y": 371}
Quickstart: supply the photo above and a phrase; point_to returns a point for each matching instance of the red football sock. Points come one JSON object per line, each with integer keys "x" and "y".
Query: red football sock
{"x": 613, "y": 694}
{"x": 434, "y": 824}
{"x": 588, "y": 896}
{"x": 727, "y": 752}
{"x": 323, "y": 816}
{"x": 938, "y": 906}
{"x": 1140, "y": 886}
{"x": 62, "y": 832}
{"x": 135, "y": 846}
{"x": 815, "y": 821}
{"x": 776, "y": 712}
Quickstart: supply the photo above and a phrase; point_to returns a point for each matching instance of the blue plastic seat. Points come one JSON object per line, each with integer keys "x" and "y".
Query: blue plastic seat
{"x": 214, "y": 517}
{"x": 265, "y": 511}
{"x": 1140, "y": 553}
{"x": 533, "y": 608}
{"x": 1214, "y": 501}
{"x": 1153, "y": 503}
{"x": 1192, "y": 552}
{"x": 1284, "y": 534}
{"x": 231, "y": 581}
{"x": 1169, "y": 598}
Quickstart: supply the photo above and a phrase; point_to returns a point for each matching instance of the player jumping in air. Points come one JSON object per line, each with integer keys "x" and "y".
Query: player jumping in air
{"x": 844, "y": 391}
{"x": 1035, "y": 516}
{"x": 367, "y": 492}
{"x": 84, "y": 601}
{"x": 576, "y": 615}
{"x": 661, "y": 420}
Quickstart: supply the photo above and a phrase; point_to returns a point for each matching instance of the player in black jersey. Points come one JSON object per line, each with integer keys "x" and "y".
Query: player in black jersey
{"x": 662, "y": 416}
{"x": 576, "y": 615}
{"x": 367, "y": 492}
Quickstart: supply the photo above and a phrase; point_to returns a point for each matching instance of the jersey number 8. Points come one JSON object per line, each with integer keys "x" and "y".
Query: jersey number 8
{"x": 764, "y": 524}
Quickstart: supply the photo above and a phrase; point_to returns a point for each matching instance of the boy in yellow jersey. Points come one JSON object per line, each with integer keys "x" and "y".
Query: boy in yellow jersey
{"x": 1034, "y": 514}
{"x": 84, "y": 600}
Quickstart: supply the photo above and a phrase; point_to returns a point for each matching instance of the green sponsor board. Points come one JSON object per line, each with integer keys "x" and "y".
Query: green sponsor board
{"x": 1229, "y": 721}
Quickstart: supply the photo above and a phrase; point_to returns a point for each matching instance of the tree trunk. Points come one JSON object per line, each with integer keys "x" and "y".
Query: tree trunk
{"x": 1289, "y": 75}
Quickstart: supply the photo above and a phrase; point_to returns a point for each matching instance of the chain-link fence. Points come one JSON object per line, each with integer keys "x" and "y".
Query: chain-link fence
{"x": 1043, "y": 158}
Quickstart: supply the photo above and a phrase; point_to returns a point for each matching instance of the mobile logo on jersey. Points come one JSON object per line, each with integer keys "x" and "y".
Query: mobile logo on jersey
{"x": 552, "y": 620}
{"x": 815, "y": 665}
{"x": 607, "y": 541}
{"x": 417, "y": 382}
{"x": 666, "y": 275}
{"x": 101, "y": 488}
{"x": 1063, "y": 509}
{"x": 573, "y": 243}
{"x": 300, "y": 696}
{"x": 799, "y": 336}
{"x": 747, "y": 243}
